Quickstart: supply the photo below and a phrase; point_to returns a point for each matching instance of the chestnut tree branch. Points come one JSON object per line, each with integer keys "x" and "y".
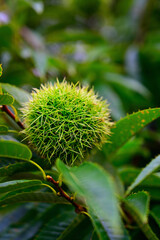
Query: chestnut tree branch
{"x": 78, "y": 208}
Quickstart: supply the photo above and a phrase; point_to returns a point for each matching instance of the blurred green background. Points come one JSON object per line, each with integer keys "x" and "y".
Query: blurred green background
{"x": 112, "y": 45}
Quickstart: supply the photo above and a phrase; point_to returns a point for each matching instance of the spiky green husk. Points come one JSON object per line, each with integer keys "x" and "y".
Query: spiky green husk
{"x": 66, "y": 121}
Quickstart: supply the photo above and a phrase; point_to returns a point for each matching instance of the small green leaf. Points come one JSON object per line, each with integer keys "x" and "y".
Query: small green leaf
{"x": 33, "y": 197}
{"x": 95, "y": 185}
{"x": 148, "y": 170}
{"x": 6, "y": 99}
{"x": 3, "y": 128}
{"x": 20, "y": 95}
{"x": 14, "y": 150}
{"x": 127, "y": 127}
{"x": 140, "y": 201}
{"x": 17, "y": 184}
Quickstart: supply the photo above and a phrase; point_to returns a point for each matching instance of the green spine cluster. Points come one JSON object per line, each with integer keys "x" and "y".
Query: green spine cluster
{"x": 66, "y": 121}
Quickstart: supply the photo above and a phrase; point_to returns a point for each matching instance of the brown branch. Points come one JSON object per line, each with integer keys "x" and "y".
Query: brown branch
{"x": 6, "y": 110}
{"x": 78, "y": 208}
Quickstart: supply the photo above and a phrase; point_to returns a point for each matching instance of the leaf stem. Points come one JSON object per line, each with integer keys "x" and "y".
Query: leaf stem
{"x": 42, "y": 171}
{"x": 5, "y": 109}
{"x": 46, "y": 185}
{"x": 61, "y": 193}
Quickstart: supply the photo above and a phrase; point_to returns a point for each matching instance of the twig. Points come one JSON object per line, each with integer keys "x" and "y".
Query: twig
{"x": 6, "y": 110}
{"x": 78, "y": 208}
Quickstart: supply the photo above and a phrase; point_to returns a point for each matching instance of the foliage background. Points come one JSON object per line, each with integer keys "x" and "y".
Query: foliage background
{"x": 113, "y": 45}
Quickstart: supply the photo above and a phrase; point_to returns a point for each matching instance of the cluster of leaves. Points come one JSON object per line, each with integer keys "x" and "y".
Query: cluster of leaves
{"x": 113, "y": 46}
{"x": 111, "y": 210}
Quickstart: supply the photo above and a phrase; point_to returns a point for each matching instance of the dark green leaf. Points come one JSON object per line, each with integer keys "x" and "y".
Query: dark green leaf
{"x": 153, "y": 191}
{"x": 133, "y": 209}
{"x": 17, "y": 184}
{"x": 11, "y": 169}
{"x": 100, "y": 229}
{"x": 37, "y": 218}
{"x": 57, "y": 225}
{"x": 95, "y": 185}
{"x": 155, "y": 213}
{"x": 79, "y": 228}
{"x": 127, "y": 127}
{"x": 26, "y": 219}
{"x": 128, "y": 175}
{"x": 32, "y": 197}
{"x": 140, "y": 201}
{"x": 148, "y": 170}
{"x": 15, "y": 150}
{"x": 11, "y": 218}
{"x": 27, "y": 189}
{"x": 6, "y": 99}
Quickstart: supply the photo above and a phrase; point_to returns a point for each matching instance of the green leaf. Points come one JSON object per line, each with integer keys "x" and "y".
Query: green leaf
{"x": 3, "y": 128}
{"x": 151, "y": 184}
{"x": 18, "y": 167}
{"x": 148, "y": 170}
{"x": 6, "y": 99}
{"x": 127, "y": 127}
{"x": 27, "y": 189}
{"x": 17, "y": 184}
{"x": 99, "y": 228}
{"x": 95, "y": 185}
{"x": 37, "y": 218}
{"x": 128, "y": 175}
{"x": 80, "y": 227}
{"x": 8, "y": 222}
{"x": 32, "y": 197}
{"x": 55, "y": 227}
{"x": 20, "y": 95}
{"x": 101, "y": 232}
{"x": 155, "y": 213}
{"x": 153, "y": 192}
{"x": 140, "y": 201}
{"x": 132, "y": 207}
{"x": 15, "y": 150}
